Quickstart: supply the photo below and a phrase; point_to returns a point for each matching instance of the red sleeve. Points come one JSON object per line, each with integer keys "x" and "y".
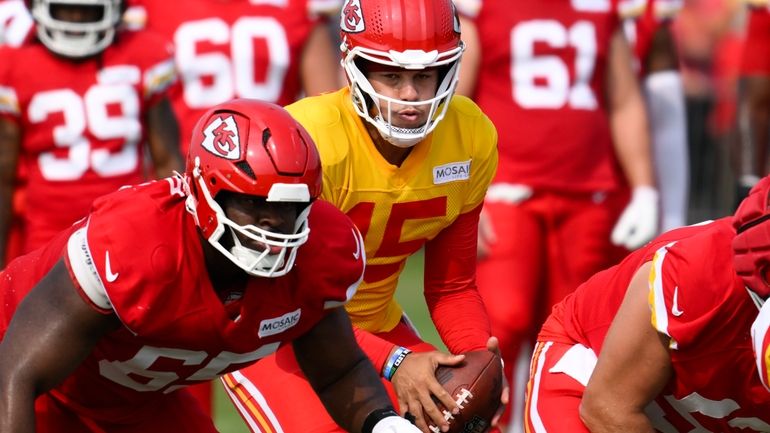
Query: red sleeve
{"x": 377, "y": 349}
{"x": 756, "y": 51}
{"x": 450, "y": 286}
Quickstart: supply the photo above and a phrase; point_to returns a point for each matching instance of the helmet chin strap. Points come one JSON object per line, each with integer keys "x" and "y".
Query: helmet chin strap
{"x": 256, "y": 259}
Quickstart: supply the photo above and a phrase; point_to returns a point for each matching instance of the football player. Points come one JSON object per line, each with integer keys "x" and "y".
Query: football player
{"x": 410, "y": 164}
{"x": 76, "y": 108}
{"x": 106, "y": 332}
{"x": 271, "y": 51}
{"x": 754, "y": 100}
{"x": 15, "y": 26}
{"x": 267, "y": 50}
{"x": 662, "y": 341}
{"x": 574, "y": 147}
{"x": 647, "y": 26}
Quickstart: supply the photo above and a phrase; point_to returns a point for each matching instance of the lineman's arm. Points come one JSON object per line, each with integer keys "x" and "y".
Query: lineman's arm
{"x": 10, "y": 138}
{"x": 163, "y": 138}
{"x": 51, "y": 332}
{"x": 343, "y": 377}
{"x": 633, "y": 367}
{"x": 319, "y": 63}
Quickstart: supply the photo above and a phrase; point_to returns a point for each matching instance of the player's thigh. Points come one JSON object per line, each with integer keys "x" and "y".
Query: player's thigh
{"x": 510, "y": 277}
{"x": 579, "y": 245}
{"x": 554, "y": 390}
{"x": 273, "y": 395}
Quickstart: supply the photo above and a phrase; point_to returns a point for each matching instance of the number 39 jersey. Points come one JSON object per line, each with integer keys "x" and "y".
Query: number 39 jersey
{"x": 176, "y": 331}
{"x": 397, "y": 209}
{"x": 541, "y": 81}
{"x": 233, "y": 49}
{"x": 82, "y": 127}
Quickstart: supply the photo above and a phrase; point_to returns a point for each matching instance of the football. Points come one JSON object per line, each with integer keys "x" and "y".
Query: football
{"x": 476, "y": 385}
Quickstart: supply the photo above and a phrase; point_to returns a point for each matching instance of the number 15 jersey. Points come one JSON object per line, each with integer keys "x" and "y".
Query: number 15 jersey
{"x": 398, "y": 209}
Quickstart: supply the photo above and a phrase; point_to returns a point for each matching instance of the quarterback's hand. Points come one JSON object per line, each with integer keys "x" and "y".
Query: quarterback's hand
{"x": 486, "y": 236}
{"x": 494, "y": 346}
{"x": 415, "y": 382}
{"x": 638, "y": 223}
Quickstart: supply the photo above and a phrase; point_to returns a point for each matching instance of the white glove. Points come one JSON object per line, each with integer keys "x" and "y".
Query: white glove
{"x": 511, "y": 193}
{"x": 394, "y": 424}
{"x": 638, "y": 223}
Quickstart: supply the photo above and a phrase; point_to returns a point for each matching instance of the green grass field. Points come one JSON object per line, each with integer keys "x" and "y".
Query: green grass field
{"x": 409, "y": 295}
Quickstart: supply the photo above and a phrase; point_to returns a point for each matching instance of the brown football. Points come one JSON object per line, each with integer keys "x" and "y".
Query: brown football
{"x": 476, "y": 384}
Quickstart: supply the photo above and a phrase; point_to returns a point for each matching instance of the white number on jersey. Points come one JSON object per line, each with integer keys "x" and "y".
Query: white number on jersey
{"x": 139, "y": 367}
{"x": 90, "y": 113}
{"x": 543, "y": 81}
{"x": 696, "y": 403}
{"x": 233, "y": 76}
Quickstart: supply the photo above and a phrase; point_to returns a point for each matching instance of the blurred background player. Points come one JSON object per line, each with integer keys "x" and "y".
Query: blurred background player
{"x": 15, "y": 27}
{"x": 678, "y": 314}
{"x": 575, "y": 180}
{"x": 410, "y": 164}
{"x": 101, "y": 333}
{"x": 752, "y": 160}
{"x": 647, "y": 26}
{"x": 268, "y": 50}
{"x": 78, "y": 105}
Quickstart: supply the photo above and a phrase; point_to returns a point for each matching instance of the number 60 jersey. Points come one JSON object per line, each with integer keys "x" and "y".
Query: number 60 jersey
{"x": 82, "y": 123}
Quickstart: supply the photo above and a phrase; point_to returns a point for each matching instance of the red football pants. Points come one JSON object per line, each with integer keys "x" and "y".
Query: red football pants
{"x": 175, "y": 412}
{"x": 273, "y": 394}
{"x": 546, "y": 246}
{"x": 555, "y": 388}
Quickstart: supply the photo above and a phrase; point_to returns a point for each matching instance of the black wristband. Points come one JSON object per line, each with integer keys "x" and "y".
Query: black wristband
{"x": 375, "y": 416}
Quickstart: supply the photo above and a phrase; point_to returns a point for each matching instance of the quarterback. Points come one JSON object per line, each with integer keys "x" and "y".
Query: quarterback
{"x": 410, "y": 164}
{"x": 662, "y": 342}
{"x": 180, "y": 280}
{"x": 77, "y": 106}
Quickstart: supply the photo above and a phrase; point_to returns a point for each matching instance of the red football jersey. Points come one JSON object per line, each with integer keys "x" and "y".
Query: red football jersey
{"x": 176, "y": 330}
{"x": 697, "y": 300}
{"x": 756, "y": 51}
{"x": 233, "y": 49}
{"x": 541, "y": 81}
{"x": 82, "y": 123}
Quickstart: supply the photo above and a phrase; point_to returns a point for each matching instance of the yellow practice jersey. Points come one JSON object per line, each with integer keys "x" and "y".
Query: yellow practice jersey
{"x": 397, "y": 209}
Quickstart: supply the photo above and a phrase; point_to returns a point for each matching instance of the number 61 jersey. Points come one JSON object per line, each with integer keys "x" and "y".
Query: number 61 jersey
{"x": 542, "y": 83}
{"x": 81, "y": 123}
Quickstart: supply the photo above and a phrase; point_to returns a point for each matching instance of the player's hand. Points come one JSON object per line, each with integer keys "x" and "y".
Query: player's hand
{"x": 494, "y": 346}
{"x": 486, "y": 236}
{"x": 638, "y": 223}
{"x": 415, "y": 382}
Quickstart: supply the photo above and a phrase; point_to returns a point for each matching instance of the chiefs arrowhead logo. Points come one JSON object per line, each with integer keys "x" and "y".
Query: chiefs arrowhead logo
{"x": 220, "y": 137}
{"x": 351, "y": 17}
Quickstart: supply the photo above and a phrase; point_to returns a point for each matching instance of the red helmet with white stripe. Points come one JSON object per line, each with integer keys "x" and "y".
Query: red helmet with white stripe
{"x": 412, "y": 35}
{"x": 254, "y": 148}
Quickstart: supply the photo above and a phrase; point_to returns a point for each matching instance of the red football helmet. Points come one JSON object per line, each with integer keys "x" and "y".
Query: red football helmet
{"x": 76, "y": 39}
{"x": 751, "y": 246}
{"x": 412, "y": 35}
{"x": 255, "y": 148}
